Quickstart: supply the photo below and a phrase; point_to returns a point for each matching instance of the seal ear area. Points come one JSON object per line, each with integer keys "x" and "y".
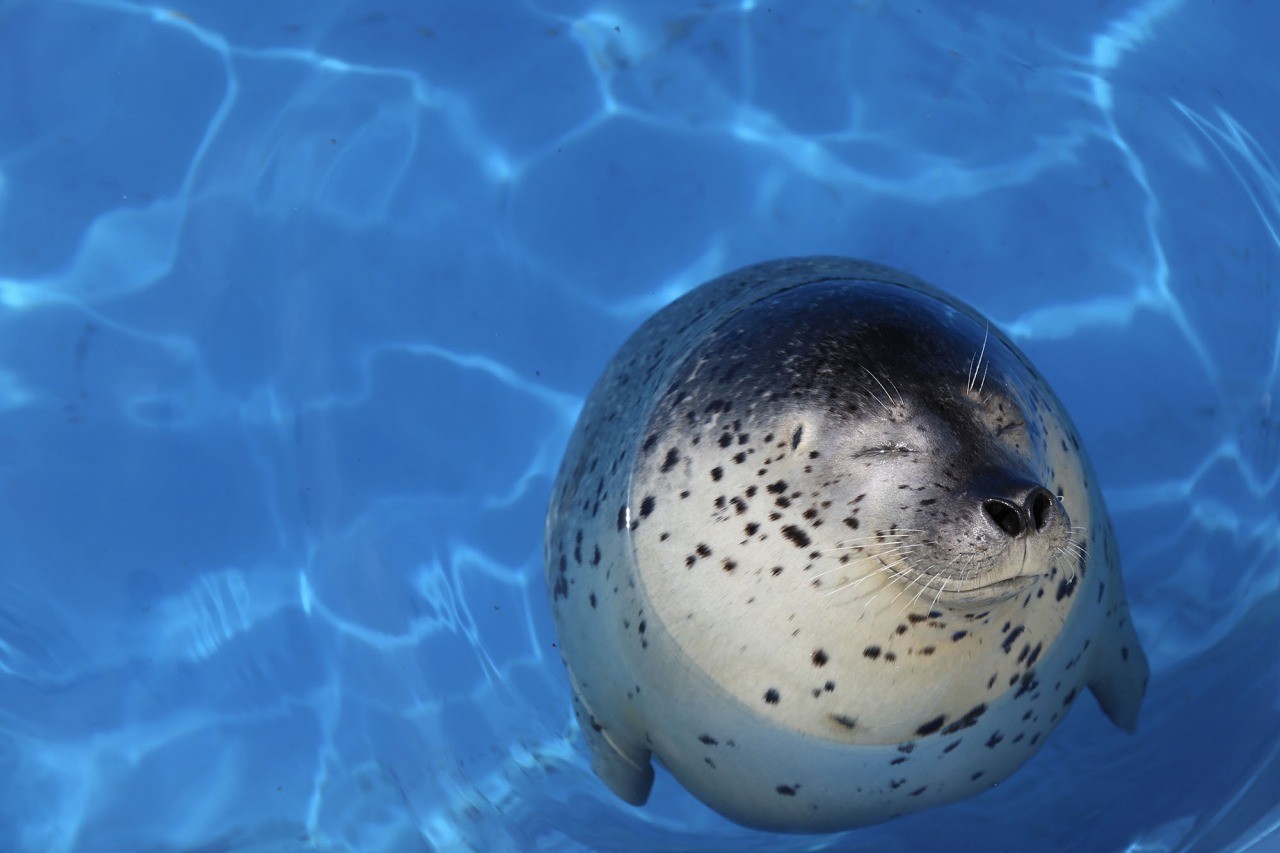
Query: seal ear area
{"x": 1121, "y": 673}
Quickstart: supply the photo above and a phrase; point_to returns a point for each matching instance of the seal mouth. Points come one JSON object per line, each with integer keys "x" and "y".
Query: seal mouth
{"x": 992, "y": 593}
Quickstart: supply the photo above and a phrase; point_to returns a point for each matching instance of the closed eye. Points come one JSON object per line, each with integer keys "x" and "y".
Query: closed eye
{"x": 884, "y": 450}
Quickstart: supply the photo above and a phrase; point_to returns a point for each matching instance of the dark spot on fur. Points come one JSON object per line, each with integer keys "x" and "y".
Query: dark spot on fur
{"x": 788, "y": 790}
{"x": 872, "y": 652}
{"x": 932, "y": 726}
{"x": 841, "y": 719}
{"x": 969, "y": 719}
{"x": 1012, "y": 637}
{"x": 995, "y": 738}
{"x": 796, "y": 535}
{"x": 647, "y": 505}
{"x": 819, "y": 658}
{"x": 772, "y": 696}
{"x": 708, "y": 740}
{"x": 716, "y": 473}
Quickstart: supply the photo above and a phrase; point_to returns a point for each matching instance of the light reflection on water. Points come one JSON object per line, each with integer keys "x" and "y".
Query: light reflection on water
{"x": 298, "y": 305}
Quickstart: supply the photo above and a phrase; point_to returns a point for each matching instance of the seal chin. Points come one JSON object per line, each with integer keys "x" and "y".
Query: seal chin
{"x": 992, "y": 593}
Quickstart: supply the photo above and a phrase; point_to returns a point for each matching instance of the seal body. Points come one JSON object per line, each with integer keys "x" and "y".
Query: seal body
{"x": 825, "y": 544}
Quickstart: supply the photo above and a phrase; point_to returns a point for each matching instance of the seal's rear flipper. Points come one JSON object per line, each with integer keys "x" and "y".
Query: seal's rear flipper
{"x": 1120, "y": 672}
{"x": 627, "y": 772}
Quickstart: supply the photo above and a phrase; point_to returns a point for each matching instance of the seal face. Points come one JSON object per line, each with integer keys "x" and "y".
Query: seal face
{"x": 826, "y": 543}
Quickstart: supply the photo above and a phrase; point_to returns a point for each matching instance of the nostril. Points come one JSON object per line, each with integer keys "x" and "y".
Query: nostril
{"x": 1041, "y": 506}
{"x": 1005, "y": 515}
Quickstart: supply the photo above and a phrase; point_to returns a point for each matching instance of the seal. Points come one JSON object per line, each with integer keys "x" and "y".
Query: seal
{"x": 827, "y": 545}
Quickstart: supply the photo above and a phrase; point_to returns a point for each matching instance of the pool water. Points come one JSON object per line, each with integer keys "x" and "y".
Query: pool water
{"x": 299, "y": 302}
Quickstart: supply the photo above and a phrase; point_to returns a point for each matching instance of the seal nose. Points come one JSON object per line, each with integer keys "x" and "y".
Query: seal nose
{"x": 1032, "y": 515}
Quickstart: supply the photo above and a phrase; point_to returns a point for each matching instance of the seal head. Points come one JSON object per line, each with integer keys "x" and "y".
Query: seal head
{"x": 829, "y": 523}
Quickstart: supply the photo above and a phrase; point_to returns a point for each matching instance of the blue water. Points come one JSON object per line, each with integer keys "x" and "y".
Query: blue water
{"x": 299, "y": 300}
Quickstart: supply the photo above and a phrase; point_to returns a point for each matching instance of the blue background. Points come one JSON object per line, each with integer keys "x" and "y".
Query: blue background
{"x": 299, "y": 300}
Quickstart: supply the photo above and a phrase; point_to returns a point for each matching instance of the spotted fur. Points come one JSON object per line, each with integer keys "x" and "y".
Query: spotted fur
{"x": 828, "y": 545}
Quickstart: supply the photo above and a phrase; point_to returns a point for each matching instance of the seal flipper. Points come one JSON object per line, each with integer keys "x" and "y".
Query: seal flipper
{"x": 1120, "y": 671}
{"x": 627, "y": 772}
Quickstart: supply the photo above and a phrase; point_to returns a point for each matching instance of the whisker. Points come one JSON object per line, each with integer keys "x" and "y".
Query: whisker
{"x": 912, "y": 602}
{"x": 978, "y": 366}
{"x": 852, "y": 583}
{"x": 879, "y": 571}
{"x": 902, "y": 576}
{"x": 894, "y": 386}
{"x": 936, "y": 597}
{"x": 867, "y": 559}
{"x": 876, "y": 397}
{"x": 881, "y": 384}
{"x": 870, "y": 550}
{"x": 906, "y": 530}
